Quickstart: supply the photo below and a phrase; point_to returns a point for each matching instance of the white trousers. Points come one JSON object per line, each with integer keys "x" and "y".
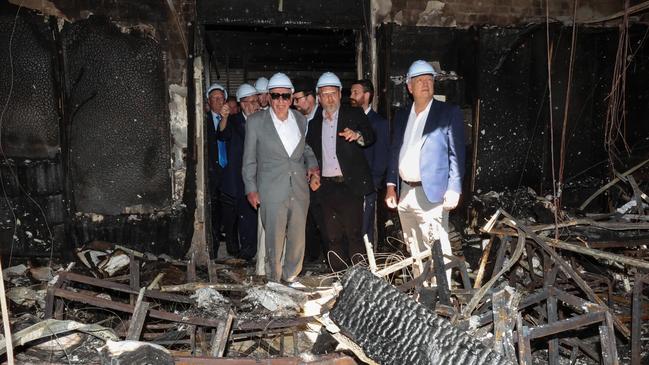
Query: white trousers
{"x": 423, "y": 221}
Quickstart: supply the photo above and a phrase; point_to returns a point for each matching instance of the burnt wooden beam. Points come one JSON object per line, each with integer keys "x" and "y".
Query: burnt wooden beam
{"x": 636, "y": 321}
{"x": 443, "y": 291}
{"x": 127, "y": 308}
{"x": 137, "y": 320}
{"x": 78, "y": 278}
{"x": 504, "y": 316}
{"x": 566, "y": 269}
{"x": 221, "y": 335}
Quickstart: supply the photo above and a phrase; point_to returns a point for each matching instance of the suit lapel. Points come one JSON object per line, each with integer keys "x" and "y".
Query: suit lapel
{"x": 432, "y": 120}
{"x": 340, "y": 126}
{"x": 302, "y": 127}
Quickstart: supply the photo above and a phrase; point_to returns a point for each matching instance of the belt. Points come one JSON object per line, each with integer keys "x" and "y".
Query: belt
{"x": 413, "y": 184}
{"x": 335, "y": 179}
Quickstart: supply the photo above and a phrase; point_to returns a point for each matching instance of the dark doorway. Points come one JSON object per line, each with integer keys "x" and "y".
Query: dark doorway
{"x": 238, "y": 54}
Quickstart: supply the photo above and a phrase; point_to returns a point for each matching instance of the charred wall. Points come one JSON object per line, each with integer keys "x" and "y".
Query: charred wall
{"x": 86, "y": 136}
{"x": 118, "y": 127}
{"x": 504, "y": 13}
{"x": 31, "y": 172}
{"x": 30, "y": 127}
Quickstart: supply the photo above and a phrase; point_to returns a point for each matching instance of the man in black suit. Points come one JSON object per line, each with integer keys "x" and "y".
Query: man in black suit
{"x": 216, "y": 120}
{"x": 362, "y": 93}
{"x": 238, "y": 217}
{"x": 304, "y": 100}
{"x": 337, "y": 137}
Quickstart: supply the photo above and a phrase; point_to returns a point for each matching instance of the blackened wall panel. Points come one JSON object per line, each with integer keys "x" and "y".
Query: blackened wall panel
{"x": 511, "y": 133}
{"x": 119, "y": 132}
{"x": 30, "y": 122}
{"x": 514, "y": 140}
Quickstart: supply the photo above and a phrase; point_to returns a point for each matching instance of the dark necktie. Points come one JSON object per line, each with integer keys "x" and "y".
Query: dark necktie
{"x": 223, "y": 154}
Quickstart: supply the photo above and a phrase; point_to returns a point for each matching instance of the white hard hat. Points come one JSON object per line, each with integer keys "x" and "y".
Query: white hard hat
{"x": 328, "y": 79}
{"x": 261, "y": 85}
{"x": 245, "y": 90}
{"x": 418, "y": 68}
{"x": 216, "y": 86}
{"x": 280, "y": 80}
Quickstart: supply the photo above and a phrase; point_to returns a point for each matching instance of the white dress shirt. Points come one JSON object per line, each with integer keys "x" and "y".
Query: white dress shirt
{"x": 288, "y": 131}
{"x": 412, "y": 141}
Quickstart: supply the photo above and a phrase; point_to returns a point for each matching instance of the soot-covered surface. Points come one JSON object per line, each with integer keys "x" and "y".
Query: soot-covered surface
{"x": 394, "y": 329}
{"x": 30, "y": 124}
{"x": 153, "y": 233}
{"x": 119, "y": 133}
{"x": 514, "y": 134}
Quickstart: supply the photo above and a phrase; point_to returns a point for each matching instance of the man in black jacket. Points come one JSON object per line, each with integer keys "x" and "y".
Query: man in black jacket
{"x": 216, "y": 120}
{"x": 304, "y": 100}
{"x": 238, "y": 217}
{"x": 362, "y": 93}
{"x": 337, "y": 137}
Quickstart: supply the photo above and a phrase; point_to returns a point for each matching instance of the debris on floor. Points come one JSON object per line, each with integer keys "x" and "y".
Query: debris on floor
{"x": 526, "y": 291}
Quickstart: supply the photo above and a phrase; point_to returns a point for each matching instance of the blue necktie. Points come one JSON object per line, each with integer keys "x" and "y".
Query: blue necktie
{"x": 223, "y": 154}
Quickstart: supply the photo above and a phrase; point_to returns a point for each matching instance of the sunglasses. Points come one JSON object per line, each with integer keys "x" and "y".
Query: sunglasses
{"x": 276, "y": 96}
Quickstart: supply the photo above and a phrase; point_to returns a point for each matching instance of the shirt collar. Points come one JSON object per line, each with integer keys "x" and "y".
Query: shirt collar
{"x": 426, "y": 109}
{"x": 276, "y": 119}
{"x": 367, "y": 111}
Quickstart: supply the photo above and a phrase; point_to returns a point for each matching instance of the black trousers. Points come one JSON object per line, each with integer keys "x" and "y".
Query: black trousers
{"x": 316, "y": 246}
{"x": 342, "y": 213}
{"x": 239, "y": 221}
{"x": 215, "y": 215}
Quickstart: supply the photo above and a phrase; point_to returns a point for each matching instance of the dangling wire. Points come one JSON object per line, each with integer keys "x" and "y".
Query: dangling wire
{"x": 549, "y": 63}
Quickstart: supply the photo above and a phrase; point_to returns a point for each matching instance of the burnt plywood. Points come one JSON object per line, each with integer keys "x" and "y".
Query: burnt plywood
{"x": 30, "y": 118}
{"x": 119, "y": 130}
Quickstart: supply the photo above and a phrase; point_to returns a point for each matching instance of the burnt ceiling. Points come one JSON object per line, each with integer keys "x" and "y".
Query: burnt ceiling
{"x": 282, "y": 49}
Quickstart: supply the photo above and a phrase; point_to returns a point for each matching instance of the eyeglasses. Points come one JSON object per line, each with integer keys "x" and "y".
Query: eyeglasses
{"x": 276, "y": 96}
{"x": 296, "y": 99}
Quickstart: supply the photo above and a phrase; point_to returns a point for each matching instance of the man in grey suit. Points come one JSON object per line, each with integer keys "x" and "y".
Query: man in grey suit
{"x": 278, "y": 167}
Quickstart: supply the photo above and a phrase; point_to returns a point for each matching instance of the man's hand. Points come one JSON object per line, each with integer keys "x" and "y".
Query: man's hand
{"x": 349, "y": 135}
{"x": 314, "y": 182}
{"x": 451, "y": 198}
{"x": 225, "y": 112}
{"x": 311, "y": 172}
{"x": 313, "y": 177}
{"x": 391, "y": 197}
{"x": 253, "y": 199}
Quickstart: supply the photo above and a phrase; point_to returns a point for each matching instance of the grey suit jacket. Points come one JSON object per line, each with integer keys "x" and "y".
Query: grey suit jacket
{"x": 267, "y": 168}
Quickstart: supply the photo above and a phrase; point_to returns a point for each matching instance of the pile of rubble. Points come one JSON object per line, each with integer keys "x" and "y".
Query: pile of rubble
{"x": 569, "y": 291}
